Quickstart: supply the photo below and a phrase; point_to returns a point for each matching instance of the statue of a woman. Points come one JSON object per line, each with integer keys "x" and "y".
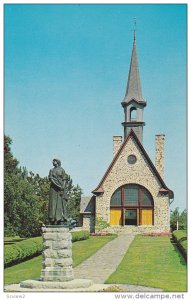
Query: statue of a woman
{"x": 57, "y": 213}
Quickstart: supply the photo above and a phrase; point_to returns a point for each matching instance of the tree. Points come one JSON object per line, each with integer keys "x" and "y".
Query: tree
{"x": 10, "y": 163}
{"x": 26, "y": 197}
{"x": 183, "y": 220}
{"x": 175, "y": 217}
{"x": 74, "y": 198}
{"x": 21, "y": 204}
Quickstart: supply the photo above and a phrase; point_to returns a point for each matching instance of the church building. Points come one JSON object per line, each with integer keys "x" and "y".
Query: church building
{"x": 132, "y": 195}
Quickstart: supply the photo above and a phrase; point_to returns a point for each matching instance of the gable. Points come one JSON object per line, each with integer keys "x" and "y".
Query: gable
{"x": 143, "y": 167}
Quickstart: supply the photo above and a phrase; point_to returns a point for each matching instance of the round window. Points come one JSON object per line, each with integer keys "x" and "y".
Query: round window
{"x": 131, "y": 159}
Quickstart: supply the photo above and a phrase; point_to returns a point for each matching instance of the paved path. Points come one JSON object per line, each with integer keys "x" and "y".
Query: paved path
{"x": 105, "y": 261}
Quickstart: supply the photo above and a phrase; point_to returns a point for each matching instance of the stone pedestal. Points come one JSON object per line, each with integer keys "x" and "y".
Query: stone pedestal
{"x": 57, "y": 271}
{"x": 57, "y": 254}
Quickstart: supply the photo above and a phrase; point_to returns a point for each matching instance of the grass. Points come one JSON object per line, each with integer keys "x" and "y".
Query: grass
{"x": 154, "y": 262}
{"x": 31, "y": 269}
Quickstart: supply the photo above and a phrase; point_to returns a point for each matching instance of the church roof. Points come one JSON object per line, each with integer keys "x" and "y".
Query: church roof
{"x": 164, "y": 189}
{"x": 133, "y": 90}
{"x": 87, "y": 204}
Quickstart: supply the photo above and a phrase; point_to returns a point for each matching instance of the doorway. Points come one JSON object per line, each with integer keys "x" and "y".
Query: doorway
{"x": 130, "y": 217}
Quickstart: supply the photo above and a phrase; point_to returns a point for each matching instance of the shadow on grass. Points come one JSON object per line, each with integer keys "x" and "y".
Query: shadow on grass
{"x": 13, "y": 241}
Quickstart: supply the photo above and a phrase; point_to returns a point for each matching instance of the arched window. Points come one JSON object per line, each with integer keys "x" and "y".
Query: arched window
{"x": 133, "y": 114}
{"x": 131, "y": 204}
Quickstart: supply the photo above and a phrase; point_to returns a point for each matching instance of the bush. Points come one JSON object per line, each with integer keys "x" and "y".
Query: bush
{"x": 100, "y": 224}
{"x": 22, "y": 250}
{"x": 26, "y": 249}
{"x": 180, "y": 237}
{"x": 80, "y": 235}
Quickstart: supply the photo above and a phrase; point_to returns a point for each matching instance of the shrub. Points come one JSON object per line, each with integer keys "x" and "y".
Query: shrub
{"x": 26, "y": 249}
{"x": 101, "y": 234}
{"x": 180, "y": 237}
{"x": 22, "y": 250}
{"x": 80, "y": 235}
{"x": 100, "y": 224}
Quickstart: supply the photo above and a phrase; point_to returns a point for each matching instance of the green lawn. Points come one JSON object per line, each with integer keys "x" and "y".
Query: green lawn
{"x": 31, "y": 269}
{"x": 154, "y": 262}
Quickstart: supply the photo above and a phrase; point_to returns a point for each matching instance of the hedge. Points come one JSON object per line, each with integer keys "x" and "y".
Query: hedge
{"x": 80, "y": 235}
{"x": 26, "y": 249}
{"x": 23, "y": 250}
{"x": 180, "y": 237}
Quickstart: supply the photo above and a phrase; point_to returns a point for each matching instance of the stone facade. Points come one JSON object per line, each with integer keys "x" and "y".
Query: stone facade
{"x": 117, "y": 142}
{"x": 122, "y": 173}
{"x": 89, "y": 222}
{"x": 159, "y": 158}
{"x": 57, "y": 254}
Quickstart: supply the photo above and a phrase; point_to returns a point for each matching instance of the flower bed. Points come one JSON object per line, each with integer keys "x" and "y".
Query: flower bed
{"x": 158, "y": 234}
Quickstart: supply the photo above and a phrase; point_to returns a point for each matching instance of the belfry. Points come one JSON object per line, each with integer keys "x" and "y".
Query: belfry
{"x": 132, "y": 195}
{"x": 133, "y": 103}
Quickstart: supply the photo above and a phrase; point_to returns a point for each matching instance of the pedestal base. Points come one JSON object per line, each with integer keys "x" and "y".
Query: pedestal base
{"x": 57, "y": 254}
{"x": 39, "y": 284}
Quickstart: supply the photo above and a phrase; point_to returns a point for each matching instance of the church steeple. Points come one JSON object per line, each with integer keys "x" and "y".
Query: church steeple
{"x": 133, "y": 103}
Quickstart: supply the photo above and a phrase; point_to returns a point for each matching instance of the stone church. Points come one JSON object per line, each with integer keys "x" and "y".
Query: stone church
{"x": 132, "y": 195}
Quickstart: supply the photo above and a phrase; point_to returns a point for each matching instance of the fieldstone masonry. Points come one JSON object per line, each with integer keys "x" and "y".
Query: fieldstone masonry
{"x": 57, "y": 254}
{"x": 140, "y": 173}
{"x": 117, "y": 142}
{"x": 159, "y": 158}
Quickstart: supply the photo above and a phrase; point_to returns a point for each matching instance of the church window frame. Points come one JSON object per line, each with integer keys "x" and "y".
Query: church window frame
{"x": 143, "y": 201}
{"x": 131, "y": 159}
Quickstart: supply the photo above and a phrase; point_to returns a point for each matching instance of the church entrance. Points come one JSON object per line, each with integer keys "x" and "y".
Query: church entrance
{"x": 130, "y": 217}
{"x": 131, "y": 204}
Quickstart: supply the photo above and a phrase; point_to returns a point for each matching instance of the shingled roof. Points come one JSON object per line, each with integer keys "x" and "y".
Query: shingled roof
{"x": 87, "y": 205}
{"x": 133, "y": 90}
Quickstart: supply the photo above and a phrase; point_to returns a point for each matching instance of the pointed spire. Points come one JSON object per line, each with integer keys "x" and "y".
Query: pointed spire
{"x": 133, "y": 90}
{"x": 134, "y": 29}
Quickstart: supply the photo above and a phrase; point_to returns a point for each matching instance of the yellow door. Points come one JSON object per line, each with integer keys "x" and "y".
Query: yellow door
{"x": 147, "y": 217}
{"x": 115, "y": 217}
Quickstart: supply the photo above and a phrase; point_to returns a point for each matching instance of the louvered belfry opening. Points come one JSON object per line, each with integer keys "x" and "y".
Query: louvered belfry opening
{"x": 131, "y": 204}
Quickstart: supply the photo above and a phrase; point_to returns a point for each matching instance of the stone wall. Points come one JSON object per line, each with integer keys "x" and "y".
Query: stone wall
{"x": 123, "y": 173}
{"x": 89, "y": 222}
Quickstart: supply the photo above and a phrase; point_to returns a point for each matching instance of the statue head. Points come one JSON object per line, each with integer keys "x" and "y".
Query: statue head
{"x": 57, "y": 161}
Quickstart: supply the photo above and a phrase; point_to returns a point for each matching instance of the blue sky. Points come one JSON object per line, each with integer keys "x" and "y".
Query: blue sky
{"x": 66, "y": 69}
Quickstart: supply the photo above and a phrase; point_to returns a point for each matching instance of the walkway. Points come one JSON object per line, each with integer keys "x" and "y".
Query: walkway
{"x": 105, "y": 261}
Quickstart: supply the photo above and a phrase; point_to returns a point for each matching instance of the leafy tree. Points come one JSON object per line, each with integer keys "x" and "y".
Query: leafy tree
{"x": 174, "y": 217}
{"x": 26, "y": 197}
{"x": 10, "y": 163}
{"x": 181, "y": 218}
{"x": 74, "y": 197}
{"x": 21, "y": 204}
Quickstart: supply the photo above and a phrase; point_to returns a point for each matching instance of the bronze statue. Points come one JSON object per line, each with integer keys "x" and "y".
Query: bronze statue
{"x": 57, "y": 211}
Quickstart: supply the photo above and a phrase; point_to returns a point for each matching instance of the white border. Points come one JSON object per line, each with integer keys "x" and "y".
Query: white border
{"x": 65, "y": 295}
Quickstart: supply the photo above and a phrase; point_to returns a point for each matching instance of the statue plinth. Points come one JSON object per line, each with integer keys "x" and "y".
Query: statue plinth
{"x": 57, "y": 254}
{"x": 57, "y": 271}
